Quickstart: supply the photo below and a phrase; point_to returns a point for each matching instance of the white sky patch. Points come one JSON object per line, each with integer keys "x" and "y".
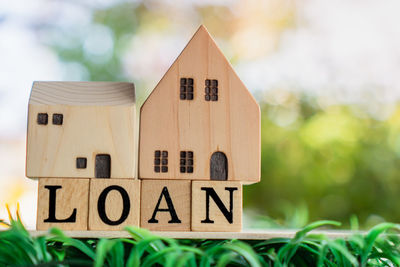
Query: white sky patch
{"x": 349, "y": 50}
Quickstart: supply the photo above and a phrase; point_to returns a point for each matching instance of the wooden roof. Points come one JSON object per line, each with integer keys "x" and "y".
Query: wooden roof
{"x": 83, "y": 93}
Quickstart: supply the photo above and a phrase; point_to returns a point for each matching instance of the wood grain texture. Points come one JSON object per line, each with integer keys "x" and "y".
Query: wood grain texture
{"x": 115, "y": 210}
{"x": 82, "y": 93}
{"x": 156, "y": 195}
{"x": 86, "y": 130}
{"x": 225, "y": 216}
{"x": 230, "y": 125}
{"x": 73, "y": 194}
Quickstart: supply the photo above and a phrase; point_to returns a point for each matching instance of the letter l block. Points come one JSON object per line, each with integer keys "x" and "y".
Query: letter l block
{"x": 216, "y": 206}
{"x": 63, "y": 203}
{"x": 114, "y": 203}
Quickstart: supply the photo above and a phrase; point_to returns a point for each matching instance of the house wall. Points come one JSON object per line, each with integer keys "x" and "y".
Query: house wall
{"x": 230, "y": 125}
{"x": 86, "y": 131}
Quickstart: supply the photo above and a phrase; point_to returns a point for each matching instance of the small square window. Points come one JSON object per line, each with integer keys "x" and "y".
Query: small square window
{"x": 81, "y": 163}
{"x": 42, "y": 118}
{"x": 182, "y": 169}
{"x": 165, "y": 153}
{"x": 190, "y": 81}
{"x": 164, "y": 161}
{"x": 183, "y": 154}
{"x": 190, "y": 169}
{"x": 157, "y": 161}
{"x": 57, "y": 119}
{"x": 157, "y": 168}
{"x": 157, "y": 153}
{"x": 190, "y": 154}
{"x": 164, "y": 169}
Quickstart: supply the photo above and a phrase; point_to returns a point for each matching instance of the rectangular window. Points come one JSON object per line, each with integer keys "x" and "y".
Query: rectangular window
{"x": 186, "y": 89}
{"x": 160, "y": 161}
{"x": 186, "y": 162}
{"x": 211, "y": 90}
{"x": 81, "y": 163}
{"x": 42, "y": 118}
{"x": 57, "y": 119}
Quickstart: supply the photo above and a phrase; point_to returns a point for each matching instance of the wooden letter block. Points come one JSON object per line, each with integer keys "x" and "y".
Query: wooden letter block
{"x": 114, "y": 203}
{"x": 165, "y": 205}
{"x": 216, "y": 206}
{"x": 63, "y": 203}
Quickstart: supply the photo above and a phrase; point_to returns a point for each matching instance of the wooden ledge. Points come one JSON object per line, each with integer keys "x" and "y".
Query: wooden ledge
{"x": 245, "y": 235}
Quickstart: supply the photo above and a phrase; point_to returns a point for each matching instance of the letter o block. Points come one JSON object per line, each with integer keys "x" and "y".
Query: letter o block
{"x": 63, "y": 203}
{"x": 114, "y": 203}
{"x": 216, "y": 206}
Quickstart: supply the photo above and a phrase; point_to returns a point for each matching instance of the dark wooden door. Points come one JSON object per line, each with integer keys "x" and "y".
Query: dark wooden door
{"x": 102, "y": 166}
{"x": 219, "y": 166}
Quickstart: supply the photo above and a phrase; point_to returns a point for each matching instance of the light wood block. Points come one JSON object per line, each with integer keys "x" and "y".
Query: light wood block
{"x": 63, "y": 203}
{"x": 114, "y": 203}
{"x": 165, "y": 205}
{"x": 216, "y": 206}
{"x": 71, "y": 120}
{"x": 230, "y": 125}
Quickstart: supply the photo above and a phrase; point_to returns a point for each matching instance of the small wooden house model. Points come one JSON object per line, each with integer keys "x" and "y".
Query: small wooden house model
{"x": 199, "y": 142}
{"x": 200, "y": 122}
{"x": 81, "y": 130}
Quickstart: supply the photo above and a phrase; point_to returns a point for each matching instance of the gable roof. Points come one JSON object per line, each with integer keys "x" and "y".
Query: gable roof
{"x": 203, "y": 43}
{"x": 83, "y": 93}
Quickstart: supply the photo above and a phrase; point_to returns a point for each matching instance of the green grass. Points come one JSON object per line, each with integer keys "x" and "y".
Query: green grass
{"x": 376, "y": 248}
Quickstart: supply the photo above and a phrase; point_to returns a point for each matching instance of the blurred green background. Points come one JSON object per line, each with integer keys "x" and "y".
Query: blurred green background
{"x": 323, "y": 74}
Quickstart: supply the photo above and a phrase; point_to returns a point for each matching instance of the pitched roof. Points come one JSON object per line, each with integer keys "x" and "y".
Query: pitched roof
{"x": 83, "y": 93}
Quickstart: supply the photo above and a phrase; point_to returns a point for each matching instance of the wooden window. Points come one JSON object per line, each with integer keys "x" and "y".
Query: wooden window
{"x": 211, "y": 90}
{"x": 57, "y": 119}
{"x": 186, "y": 162}
{"x": 186, "y": 89}
{"x": 81, "y": 163}
{"x": 160, "y": 161}
{"x": 42, "y": 118}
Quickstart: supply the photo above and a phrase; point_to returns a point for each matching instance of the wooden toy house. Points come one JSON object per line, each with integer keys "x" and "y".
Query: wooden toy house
{"x": 81, "y": 130}
{"x": 199, "y": 142}
{"x": 200, "y": 122}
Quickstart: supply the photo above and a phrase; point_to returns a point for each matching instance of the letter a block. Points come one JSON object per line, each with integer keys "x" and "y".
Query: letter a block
{"x": 114, "y": 203}
{"x": 216, "y": 206}
{"x": 63, "y": 203}
{"x": 165, "y": 205}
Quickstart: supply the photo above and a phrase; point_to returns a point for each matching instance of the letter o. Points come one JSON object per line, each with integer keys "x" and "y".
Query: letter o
{"x": 101, "y": 205}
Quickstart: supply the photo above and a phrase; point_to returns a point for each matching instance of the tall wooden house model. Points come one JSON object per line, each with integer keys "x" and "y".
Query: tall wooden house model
{"x": 199, "y": 142}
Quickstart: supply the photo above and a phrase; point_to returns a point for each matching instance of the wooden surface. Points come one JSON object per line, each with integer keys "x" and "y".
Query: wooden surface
{"x": 73, "y": 194}
{"x": 263, "y": 234}
{"x": 87, "y": 129}
{"x": 152, "y": 195}
{"x": 114, "y": 205}
{"x": 216, "y": 220}
{"x": 230, "y": 125}
{"x": 82, "y": 93}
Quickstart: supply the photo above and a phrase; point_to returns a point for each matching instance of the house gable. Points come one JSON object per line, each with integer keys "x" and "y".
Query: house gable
{"x": 230, "y": 123}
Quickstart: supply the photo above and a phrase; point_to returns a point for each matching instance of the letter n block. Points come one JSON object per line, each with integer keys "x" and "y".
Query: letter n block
{"x": 165, "y": 205}
{"x": 216, "y": 206}
{"x": 114, "y": 203}
{"x": 63, "y": 203}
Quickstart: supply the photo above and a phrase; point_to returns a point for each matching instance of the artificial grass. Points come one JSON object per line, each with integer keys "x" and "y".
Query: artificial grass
{"x": 376, "y": 248}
